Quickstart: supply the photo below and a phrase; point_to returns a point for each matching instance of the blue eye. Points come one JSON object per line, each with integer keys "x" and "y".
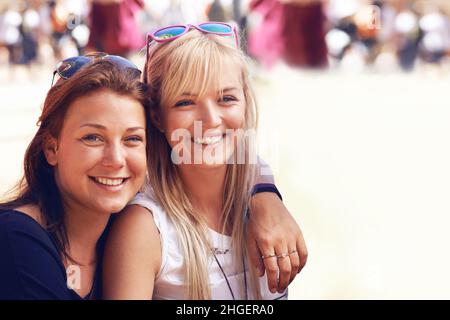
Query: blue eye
{"x": 92, "y": 138}
{"x": 134, "y": 139}
{"x": 228, "y": 99}
{"x": 184, "y": 103}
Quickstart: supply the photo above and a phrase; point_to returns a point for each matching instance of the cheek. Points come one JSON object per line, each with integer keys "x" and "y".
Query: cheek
{"x": 178, "y": 124}
{"x": 137, "y": 161}
{"x": 179, "y": 120}
{"x": 72, "y": 167}
{"x": 235, "y": 117}
{"x": 77, "y": 158}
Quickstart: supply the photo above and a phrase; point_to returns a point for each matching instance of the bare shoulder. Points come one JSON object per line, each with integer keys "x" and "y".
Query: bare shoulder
{"x": 134, "y": 230}
{"x": 132, "y": 255}
{"x": 33, "y": 212}
{"x": 136, "y": 219}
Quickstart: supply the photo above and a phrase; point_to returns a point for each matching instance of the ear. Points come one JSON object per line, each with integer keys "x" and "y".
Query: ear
{"x": 156, "y": 120}
{"x": 50, "y": 149}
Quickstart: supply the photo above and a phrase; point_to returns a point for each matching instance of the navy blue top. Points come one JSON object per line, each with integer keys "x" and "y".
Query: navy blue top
{"x": 30, "y": 264}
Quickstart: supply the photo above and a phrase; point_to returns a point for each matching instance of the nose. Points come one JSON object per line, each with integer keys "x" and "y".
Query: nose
{"x": 210, "y": 114}
{"x": 114, "y": 156}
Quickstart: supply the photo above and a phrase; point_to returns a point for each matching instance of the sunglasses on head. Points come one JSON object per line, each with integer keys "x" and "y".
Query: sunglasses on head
{"x": 68, "y": 67}
{"x": 173, "y": 32}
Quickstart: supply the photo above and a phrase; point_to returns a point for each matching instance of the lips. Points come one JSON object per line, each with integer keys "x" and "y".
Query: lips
{"x": 109, "y": 181}
{"x": 209, "y": 139}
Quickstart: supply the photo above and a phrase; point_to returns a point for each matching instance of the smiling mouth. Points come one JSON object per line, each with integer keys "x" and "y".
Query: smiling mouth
{"x": 109, "y": 182}
{"x": 209, "y": 140}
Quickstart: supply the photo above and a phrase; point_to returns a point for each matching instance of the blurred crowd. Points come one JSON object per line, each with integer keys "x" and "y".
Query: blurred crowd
{"x": 387, "y": 34}
{"x": 346, "y": 34}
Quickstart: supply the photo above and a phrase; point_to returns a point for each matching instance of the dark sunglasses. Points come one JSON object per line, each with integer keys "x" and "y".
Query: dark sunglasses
{"x": 68, "y": 67}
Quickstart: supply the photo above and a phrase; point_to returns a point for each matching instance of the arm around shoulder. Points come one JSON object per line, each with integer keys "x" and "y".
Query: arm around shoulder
{"x": 132, "y": 256}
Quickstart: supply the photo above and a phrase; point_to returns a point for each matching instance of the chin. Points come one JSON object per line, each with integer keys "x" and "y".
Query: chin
{"x": 210, "y": 166}
{"x": 113, "y": 207}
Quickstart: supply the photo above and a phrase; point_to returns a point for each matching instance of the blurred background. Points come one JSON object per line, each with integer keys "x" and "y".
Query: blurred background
{"x": 354, "y": 101}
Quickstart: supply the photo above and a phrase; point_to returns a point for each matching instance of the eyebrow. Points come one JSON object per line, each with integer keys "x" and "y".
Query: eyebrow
{"x": 99, "y": 126}
{"x": 223, "y": 90}
{"x": 229, "y": 89}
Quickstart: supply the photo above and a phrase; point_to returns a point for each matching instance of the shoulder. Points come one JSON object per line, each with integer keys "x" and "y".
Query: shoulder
{"x": 30, "y": 210}
{"x": 21, "y": 221}
{"x": 24, "y": 224}
{"x": 135, "y": 218}
{"x": 147, "y": 200}
{"x": 132, "y": 255}
{"x": 30, "y": 266}
{"x": 134, "y": 228}
{"x": 22, "y": 234}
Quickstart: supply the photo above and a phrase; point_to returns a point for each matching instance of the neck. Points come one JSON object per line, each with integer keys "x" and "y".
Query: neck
{"x": 205, "y": 190}
{"x": 83, "y": 231}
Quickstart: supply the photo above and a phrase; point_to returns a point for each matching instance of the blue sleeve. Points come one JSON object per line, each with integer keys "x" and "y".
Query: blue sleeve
{"x": 30, "y": 266}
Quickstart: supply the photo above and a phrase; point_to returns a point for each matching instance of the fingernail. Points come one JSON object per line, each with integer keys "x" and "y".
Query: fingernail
{"x": 273, "y": 290}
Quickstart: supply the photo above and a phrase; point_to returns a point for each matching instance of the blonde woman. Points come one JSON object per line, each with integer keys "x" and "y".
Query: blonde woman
{"x": 185, "y": 236}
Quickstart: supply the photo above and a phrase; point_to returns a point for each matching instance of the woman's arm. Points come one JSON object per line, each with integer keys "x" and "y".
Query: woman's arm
{"x": 132, "y": 256}
{"x": 273, "y": 230}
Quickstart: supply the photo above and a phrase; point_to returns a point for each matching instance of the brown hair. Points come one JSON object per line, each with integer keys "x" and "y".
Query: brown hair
{"x": 38, "y": 185}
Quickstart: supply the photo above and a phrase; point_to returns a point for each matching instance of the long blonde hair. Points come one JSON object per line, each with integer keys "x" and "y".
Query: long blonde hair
{"x": 172, "y": 68}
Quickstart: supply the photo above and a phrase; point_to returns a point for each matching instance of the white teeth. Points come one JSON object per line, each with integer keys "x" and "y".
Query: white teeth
{"x": 109, "y": 182}
{"x": 208, "y": 140}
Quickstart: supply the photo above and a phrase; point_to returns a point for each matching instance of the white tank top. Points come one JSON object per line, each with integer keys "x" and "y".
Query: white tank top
{"x": 169, "y": 282}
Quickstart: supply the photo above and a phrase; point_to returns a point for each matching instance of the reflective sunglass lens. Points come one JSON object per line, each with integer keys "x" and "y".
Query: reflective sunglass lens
{"x": 168, "y": 33}
{"x": 123, "y": 63}
{"x": 96, "y": 54}
{"x": 216, "y": 27}
{"x": 70, "y": 66}
{"x": 63, "y": 67}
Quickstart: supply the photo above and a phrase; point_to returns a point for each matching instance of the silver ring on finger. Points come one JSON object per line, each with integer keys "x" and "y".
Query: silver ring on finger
{"x": 269, "y": 256}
